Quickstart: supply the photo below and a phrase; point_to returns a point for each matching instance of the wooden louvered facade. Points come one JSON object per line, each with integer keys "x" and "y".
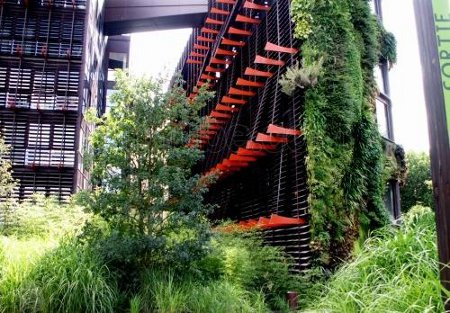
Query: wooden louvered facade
{"x": 42, "y": 66}
{"x": 244, "y": 57}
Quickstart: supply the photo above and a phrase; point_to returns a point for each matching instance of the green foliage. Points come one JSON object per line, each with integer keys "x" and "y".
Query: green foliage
{"x": 302, "y": 18}
{"x": 7, "y": 183}
{"x": 135, "y": 304}
{"x": 301, "y": 77}
{"x": 165, "y": 292}
{"x": 142, "y": 169}
{"x": 397, "y": 271}
{"x": 345, "y": 164}
{"x": 418, "y": 186}
{"x": 40, "y": 216}
{"x": 67, "y": 279}
{"x": 388, "y": 46}
{"x": 239, "y": 274}
{"x": 247, "y": 262}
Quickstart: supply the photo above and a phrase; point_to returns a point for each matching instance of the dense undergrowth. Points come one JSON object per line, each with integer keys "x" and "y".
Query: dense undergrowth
{"x": 58, "y": 271}
{"x": 396, "y": 271}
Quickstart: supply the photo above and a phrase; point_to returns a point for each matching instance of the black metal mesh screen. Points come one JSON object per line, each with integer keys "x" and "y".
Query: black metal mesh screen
{"x": 276, "y": 183}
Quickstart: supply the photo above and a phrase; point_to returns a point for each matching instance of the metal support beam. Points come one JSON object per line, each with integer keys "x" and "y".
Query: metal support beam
{"x": 130, "y": 16}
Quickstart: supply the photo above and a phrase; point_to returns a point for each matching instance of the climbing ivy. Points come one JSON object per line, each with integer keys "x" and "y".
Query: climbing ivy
{"x": 345, "y": 155}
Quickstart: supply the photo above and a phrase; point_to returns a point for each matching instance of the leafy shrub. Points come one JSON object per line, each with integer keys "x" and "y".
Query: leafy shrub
{"x": 66, "y": 279}
{"x": 146, "y": 190}
{"x": 301, "y": 77}
{"x": 418, "y": 187}
{"x": 397, "y": 271}
{"x": 245, "y": 262}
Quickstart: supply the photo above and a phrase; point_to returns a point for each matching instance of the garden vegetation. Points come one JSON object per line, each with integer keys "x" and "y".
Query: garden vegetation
{"x": 141, "y": 241}
{"x": 342, "y": 43}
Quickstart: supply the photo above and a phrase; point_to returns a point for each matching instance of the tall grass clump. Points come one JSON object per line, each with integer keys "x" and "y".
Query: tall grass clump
{"x": 43, "y": 217}
{"x": 167, "y": 292}
{"x": 396, "y": 271}
{"x": 68, "y": 278}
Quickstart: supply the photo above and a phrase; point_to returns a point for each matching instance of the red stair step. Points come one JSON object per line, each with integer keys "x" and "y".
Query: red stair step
{"x": 249, "y": 83}
{"x": 251, "y": 5}
{"x": 226, "y": 99}
{"x": 245, "y": 19}
{"x": 200, "y": 47}
{"x": 229, "y": 42}
{"x": 213, "y": 21}
{"x": 240, "y": 92}
{"x": 267, "y": 138}
{"x": 253, "y": 72}
{"x": 209, "y": 30}
{"x": 238, "y": 31}
{"x": 205, "y": 39}
{"x": 219, "y": 11}
{"x": 273, "y": 47}
{"x": 267, "y": 61}
{"x": 274, "y": 129}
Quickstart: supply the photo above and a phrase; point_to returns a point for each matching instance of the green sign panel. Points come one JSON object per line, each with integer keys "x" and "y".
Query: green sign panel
{"x": 441, "y": 10}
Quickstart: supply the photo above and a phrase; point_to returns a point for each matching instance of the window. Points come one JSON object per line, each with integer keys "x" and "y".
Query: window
{"x": 382, "y": 118}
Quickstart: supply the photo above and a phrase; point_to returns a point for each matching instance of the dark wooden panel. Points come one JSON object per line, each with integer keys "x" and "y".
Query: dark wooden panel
{"x": 438, "y": 132}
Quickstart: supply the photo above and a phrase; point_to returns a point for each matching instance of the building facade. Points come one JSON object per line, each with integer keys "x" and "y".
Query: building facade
{"x": 53, "y": 67}
{"x": 242, "y": 51}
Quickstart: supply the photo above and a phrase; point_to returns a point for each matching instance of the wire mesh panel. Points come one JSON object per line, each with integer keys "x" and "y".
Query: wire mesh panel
{"x": 277, "y": 182}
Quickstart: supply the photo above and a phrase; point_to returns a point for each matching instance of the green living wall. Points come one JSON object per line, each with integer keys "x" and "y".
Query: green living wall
{"x": 341, "y": 46}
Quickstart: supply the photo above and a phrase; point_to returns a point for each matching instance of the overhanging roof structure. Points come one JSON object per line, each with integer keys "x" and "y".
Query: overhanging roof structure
{"x": 131, "y": 16}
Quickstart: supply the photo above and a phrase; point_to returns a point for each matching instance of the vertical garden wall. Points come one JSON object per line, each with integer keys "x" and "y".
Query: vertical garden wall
{"x": 341, "y": 42}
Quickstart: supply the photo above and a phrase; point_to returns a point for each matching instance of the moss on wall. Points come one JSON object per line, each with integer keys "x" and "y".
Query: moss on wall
{"x": 345, "y": 155}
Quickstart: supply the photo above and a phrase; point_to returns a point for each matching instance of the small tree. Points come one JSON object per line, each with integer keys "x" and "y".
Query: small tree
{"x": 417, "y": 188}
{"x": 7, "y": 185}
{"x": 142, "y": 172}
